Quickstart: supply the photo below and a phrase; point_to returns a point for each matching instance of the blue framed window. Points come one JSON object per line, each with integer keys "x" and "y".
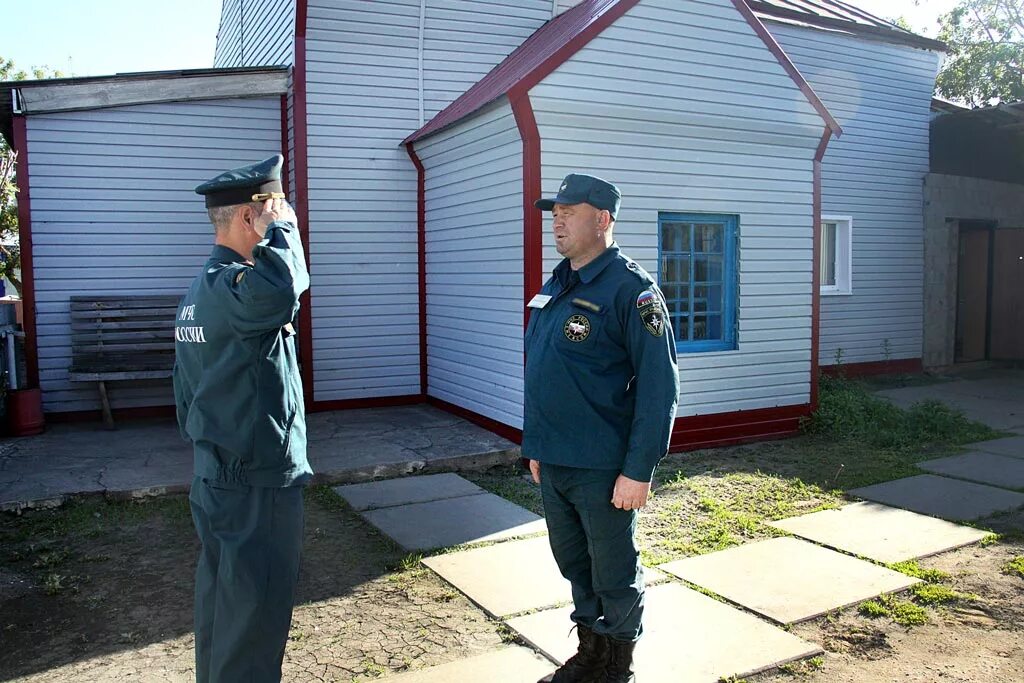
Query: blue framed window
{"x": 697, "y": 273}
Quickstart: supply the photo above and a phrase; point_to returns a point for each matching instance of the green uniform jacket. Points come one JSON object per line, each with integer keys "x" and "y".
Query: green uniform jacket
{"x": 236, "y": 377}
{"x": 601, "y": 376}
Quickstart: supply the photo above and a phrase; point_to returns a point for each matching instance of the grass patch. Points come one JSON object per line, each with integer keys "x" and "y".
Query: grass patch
{"x": 508, "y": 482}
{"x": 913, "y": 569}
{"x": 1015, "y": 567}
{"x": 932, "y": 594}
{"x": 903, "y": 612}
{"x": 803, "y": 667}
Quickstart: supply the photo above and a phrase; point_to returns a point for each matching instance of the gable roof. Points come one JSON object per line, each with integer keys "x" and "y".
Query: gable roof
{"x": 837, "y": 14}
{"x": 559, "y": 39}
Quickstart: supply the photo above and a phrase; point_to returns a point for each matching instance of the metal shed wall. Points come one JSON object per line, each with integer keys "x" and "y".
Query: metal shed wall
{"x": 474, "y": 252}
{"x": 108, "y": 185}
{"x": 256, "y": 33}
{"x": 881, "y": 94}
{"x": 362, "y": 76}
{"x": 694, "y": 114}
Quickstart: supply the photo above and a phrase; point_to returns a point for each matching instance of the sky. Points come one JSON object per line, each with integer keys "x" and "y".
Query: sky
{"x": 98, "y": 37}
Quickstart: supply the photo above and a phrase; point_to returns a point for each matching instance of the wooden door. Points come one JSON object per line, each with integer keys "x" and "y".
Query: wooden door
{"x": 972, "y": 296}
{"x": 1007, "y": 340}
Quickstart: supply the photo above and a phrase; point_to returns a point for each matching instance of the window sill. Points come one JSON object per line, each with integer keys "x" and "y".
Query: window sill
{"x": 836, "y": 292}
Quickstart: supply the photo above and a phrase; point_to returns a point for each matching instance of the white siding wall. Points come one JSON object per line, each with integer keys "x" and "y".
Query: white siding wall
{"x": 255, "y": 33}
{"x": 362, "y": 80}
{"x": 114, "y": 212}
{"x": 692, "y": 113}
{"x": 474, "y": 176}
{"x": 881, "y": 95}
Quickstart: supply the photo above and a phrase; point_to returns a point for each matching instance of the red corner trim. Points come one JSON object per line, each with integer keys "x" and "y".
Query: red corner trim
{"x": 503, "y": 430}
{"x": 906, "y": 366}
{"x": 533, "y": 219}
{"x": 421, "y": 257}
{"x": 358, "y": 403}
{"x": 816, "y": 266}
{"x": 725, "y": 429}
{"x": 787, "y": 64}
{"x": 28, "y": 287}
{"x": 301, "y": 162}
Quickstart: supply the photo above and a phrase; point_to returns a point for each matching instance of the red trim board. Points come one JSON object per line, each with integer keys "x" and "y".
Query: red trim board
{"x": 816, "y": 266}
{"x": 726, "y": 429}
{"x": 421, "y": 257}
{"x": 301, "y": 162}
{"x": 28, "y": 287}
{"x": 284, "y": 144}
{"x": 533, "y": 218}
{"x": 358, "y": 403}
{"x": 903, "y": 366}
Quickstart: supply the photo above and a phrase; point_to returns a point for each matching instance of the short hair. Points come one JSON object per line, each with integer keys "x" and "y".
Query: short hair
{"x": 221, "y": 216}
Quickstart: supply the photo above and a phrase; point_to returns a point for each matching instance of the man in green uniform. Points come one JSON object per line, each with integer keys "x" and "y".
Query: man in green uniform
{"x": 600, "y": 399}
{"x": 239, "y": 401}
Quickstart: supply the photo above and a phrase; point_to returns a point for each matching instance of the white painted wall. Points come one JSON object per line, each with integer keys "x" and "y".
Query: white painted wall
{"x": 114, "y": 212}
{"x": 881, "y": 95}
{"x": 474, "y": 177}
{"x": 255, "y": 33}
{"x": 692, "y": 113}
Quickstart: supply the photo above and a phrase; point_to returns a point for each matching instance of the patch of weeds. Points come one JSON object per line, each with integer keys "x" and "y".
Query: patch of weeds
{"x": 50, "y": 560}
{"x": 936, "y": 594}
{"x": 326, "y": 498}
{"x": 913, "y": 569}
{"x": 372, "y": 668}
{"x": 1015, "y": 567}
{"x": 731, "y": 679}
{"x": 54, "y": 583}
{"x": 507, "y": 635}
{"x": 703, "y": 591}
{"x": 902, "y": 612}
{"x": 803, "y": 667}
{"x": 991, "y": 539}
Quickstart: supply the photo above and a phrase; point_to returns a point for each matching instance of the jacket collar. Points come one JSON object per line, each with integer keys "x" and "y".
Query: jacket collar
{"x": 590, "y": 271}
{"x": 222, "y": 254}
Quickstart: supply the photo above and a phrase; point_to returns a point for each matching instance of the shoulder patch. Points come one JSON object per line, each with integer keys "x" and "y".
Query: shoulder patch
{"x": 651, "y": 310}
{"x": 646, "y": 298}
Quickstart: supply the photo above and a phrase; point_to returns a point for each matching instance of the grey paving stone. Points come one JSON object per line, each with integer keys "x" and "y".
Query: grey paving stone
{"x": 986, "y": 468}
{"x": 1011, "y": 446}
{"x": 455, "y": 521}
{"x": 406, "y": 490}
{"x": 687, "y": 637}
{"x": 942, "y": 497}
{"x": 879, "y": 532}
{"x": 508, "y": 665}
{"x": 493, "y": 577}
{"x": 787, "y": 579}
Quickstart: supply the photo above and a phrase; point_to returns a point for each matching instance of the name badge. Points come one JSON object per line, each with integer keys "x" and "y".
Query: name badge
{"x": 539, "y": 301}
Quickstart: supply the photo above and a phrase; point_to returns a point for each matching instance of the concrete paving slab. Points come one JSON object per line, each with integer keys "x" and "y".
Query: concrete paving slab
{"x": 995, "y": 401}
{"x": 787, "y": 579}
{"x": 942, "y": 497}
{"x": 508, "y": 665}
{"x": 492, "y": 577}
{"x": 392, "y": 492}
{"x": 879, "y": 532}
{"x": 1011, "y": 446}
{"x": 456, "y": 521}
{"x": 687, "y": 637}
{"x": 984, "y": 468}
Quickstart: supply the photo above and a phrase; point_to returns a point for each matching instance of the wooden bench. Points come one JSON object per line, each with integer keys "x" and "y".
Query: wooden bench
{"x": 122, "y": 338}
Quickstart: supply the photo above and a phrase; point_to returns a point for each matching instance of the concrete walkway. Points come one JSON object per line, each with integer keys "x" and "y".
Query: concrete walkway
{"x": 149, "y": 457}
{"x": 993, "y": 396}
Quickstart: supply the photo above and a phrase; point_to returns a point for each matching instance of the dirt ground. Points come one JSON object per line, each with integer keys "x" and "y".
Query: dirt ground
{"x": 108, "y": 597}
{"x": 101, "y": 591}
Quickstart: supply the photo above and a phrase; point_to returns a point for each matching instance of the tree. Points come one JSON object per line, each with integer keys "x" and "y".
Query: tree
{"x": 10, "y": 249}
{"x": 986, "y": 58}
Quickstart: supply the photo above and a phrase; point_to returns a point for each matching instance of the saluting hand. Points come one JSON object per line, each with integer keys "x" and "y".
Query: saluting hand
{"x": 274, "y": 210}
{"x": 630, "y": 494}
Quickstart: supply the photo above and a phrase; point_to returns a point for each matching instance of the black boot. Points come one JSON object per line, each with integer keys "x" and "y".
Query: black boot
{"x": 587, "y": 665}
{"x": 620, "y": 662}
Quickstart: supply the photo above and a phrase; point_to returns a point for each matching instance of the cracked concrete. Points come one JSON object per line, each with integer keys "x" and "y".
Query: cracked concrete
{"x": 148, "y": 458}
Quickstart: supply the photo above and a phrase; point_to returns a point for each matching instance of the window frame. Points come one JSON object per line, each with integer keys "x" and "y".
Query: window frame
{"x": 730, "y": 278}
{"x": 844, "y": 255}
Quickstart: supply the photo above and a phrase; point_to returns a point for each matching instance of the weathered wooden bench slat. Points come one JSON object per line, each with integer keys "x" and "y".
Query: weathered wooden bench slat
{"x": 121, "y": 338}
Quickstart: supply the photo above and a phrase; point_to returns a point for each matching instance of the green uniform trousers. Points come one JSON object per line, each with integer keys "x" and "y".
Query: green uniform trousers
{"x": 594, "y": 544}
{"x": 245, "y": 579}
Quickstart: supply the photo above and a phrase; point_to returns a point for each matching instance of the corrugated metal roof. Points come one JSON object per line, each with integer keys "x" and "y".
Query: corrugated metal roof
{"x": 840, "y": 15}
{"x": 551, "y": 45}
{"x": 525, "y": 60}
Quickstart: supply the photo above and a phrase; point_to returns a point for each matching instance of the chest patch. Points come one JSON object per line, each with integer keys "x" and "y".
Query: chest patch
{"x": 577, "y": 328}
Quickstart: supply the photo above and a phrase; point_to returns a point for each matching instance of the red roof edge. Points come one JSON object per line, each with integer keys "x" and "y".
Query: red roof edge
{"x": 558, "y": 40}
{"x": 773, "y": 46}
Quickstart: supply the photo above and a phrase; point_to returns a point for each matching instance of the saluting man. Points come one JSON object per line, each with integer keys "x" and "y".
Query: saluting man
{"x": 239, "y": 401}
{"x": 600, "y": 399}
